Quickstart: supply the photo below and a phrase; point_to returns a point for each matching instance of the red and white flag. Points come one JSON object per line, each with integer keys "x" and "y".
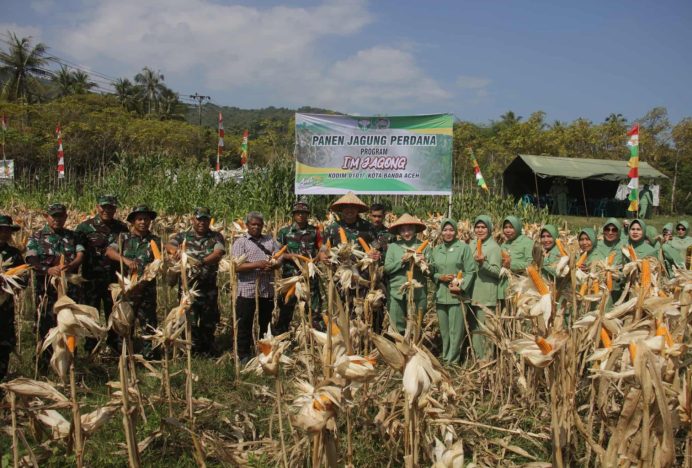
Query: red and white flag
{"x": 61, "y": 156}
{"x": 219, "y": 149}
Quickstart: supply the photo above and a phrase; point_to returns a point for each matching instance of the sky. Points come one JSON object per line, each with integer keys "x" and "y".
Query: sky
{"x": 475, "y": 59}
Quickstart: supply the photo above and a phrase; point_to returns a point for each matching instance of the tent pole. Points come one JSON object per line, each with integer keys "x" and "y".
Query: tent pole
{"x": 538, "y": 197}
{"x": 583, "y": 194}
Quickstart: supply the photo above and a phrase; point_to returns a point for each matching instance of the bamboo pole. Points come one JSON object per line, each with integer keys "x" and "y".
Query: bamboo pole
{"x": 15, "y": 439}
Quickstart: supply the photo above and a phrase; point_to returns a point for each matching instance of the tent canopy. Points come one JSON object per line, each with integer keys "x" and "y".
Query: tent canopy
{"x": 581, "y": 168}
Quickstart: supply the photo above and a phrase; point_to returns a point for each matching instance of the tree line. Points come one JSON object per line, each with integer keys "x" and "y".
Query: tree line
{"x": 142, "y": 116}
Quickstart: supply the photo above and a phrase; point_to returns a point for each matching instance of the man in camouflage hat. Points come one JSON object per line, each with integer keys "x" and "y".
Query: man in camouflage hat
{"x": 300, "y": 238}
{"x": 43, "y": 252}
{"x": 10, "y": 259}
{"x": 96, "y": 234}
{"x": 205, "y": 248}
{"x": 134, "y": 250}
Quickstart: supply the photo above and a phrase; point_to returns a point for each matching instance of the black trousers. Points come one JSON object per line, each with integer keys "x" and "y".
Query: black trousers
{"x": 245, "y": 311}
{"x": 7, "y": 334}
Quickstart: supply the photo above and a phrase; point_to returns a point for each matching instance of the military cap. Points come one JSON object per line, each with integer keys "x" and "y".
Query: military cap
{"x": 6, "y": 221}
{"x": 202, "y": 212}
{"x": 140, "y": 209}
{"x": 301, "y": 205}
{"x": 56, "y": 208}
{"x": 107, "y": 200}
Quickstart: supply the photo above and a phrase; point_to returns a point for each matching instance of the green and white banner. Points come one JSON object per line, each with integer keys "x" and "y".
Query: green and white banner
{"x": 388, "y": 155}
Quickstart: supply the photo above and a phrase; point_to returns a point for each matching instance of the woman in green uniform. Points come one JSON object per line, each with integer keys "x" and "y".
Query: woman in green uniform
{"x": 448, "y": 259}
{"x": 551, "y": 253}
{"x": 486, "y": 283}
{"x": 518, "y": 250}
{"x": 396, "y": 267}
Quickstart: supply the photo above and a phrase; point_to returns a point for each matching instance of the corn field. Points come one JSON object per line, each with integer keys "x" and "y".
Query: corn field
{"x": 573, "y": 380}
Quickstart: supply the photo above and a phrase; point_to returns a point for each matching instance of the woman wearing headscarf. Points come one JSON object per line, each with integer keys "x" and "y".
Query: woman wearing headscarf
{"x": 611, "y": 245}
{"x": 637, "y": 240}
{"x": 651, "y": 237}
{"x": 588, "y": 244}
{"x": 518, "y": 248}
{"x": 448, "y": 259}
{"x": 681, "y": 238}
{"x": 551, "y": 253}
{"x": 397, "y": 265}
{"x": 486, "y": 284}
{"x": 671, "y": 255}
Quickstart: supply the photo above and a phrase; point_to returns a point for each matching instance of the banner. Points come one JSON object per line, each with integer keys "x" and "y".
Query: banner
{"x": 380, "y": 155}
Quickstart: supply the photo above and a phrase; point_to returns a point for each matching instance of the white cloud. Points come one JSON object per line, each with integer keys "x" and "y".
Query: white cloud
{"x": 21, "y": 31}
{"x": 276, "y": 52}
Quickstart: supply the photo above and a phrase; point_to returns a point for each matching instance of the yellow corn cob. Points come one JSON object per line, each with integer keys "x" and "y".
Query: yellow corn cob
{"x": 291, "y": 291}
{"x": 479, "y": 247}
{"x": 543, "y": 345}
{"x": 459, "y": 275}
{"x": 280, "y": 252}
{"x": 581, "y": 259}
{"x": 343, "y": 239}
{"x": 155, "y": 250}
{"x": 633, "y": 254}
{"x": 71, "y": 343}
{"x": 302, "y": 257}
{"x": 264, "y": 347}
{"x": 422, "y": 247}
{"x": 605, "y": 338}
{"x": 633, "y": 351}
{"x": 364, "y": 245}
{"x": 18, "y": 270}
{"x": 505, "y": 255}
{"x": 646, "y": 274}
{"x": 582, "y": 288}
{"x": 537, "y": 280}
{"x": 663, "y": 331}
{"x": 561, "y": 247}
{"x": 329, "y": 244}
{"x": 594, "y": 288}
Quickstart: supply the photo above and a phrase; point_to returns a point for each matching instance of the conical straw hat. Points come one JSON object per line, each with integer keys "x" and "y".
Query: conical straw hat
{"x": 407, "y": 219}
{"x": 349, "y": 199}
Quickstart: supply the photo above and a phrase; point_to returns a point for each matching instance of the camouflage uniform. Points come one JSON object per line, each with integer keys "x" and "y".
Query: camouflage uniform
{"x": 97, "y": 269}
{"x": 304, "y": 242}
{"x": 43, "y": 251}
{"x": 10, "y": 258}
{"x": 204, "y": 312}
{"x": 138, "y": 248}
{"x": 361, "y": 228}
{"x": 382, "y": 239}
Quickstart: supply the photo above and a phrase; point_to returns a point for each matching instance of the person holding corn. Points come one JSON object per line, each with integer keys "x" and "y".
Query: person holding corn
{"x": 348, "y": 207}
{"x": 681, "y": 239}
{"x": 588, "y": 244}
{"x": 671, "y": 256}
{"x": 406, "y": 267}
{"x": 137, "y": 249}
{"x": 637, "y": 240}
{"x": 453, "y": 268}
{"x": 517, "y": 250}
{"x": 486, "y": 284}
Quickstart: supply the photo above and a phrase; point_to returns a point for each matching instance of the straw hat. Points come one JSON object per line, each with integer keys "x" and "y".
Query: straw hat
{"x": 349, "y": 199}
{"x": 407, "y": 220}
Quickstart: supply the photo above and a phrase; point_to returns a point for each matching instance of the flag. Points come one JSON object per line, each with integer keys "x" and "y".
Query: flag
{"x": 61, "y": 156}
{"x": 219, "y": 149}
{"x": 633, "y": 164}
{"x": 477, "y": 172}
{"x": 243, "y": 149}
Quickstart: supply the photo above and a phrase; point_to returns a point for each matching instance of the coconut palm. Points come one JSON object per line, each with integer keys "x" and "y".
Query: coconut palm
{"x": 81, "y": 83}
{"x": 152, "y": 86}
{"x": 23, "y": 65}
{"x": 63, "y": 79}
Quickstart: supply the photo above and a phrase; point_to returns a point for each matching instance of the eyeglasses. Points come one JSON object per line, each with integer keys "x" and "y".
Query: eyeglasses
{"x": 681, "y": 228}
{"x": 610, "y": 229}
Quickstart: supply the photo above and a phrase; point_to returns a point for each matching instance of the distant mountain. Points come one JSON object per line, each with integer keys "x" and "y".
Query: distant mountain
{"x": 236, "y": 119}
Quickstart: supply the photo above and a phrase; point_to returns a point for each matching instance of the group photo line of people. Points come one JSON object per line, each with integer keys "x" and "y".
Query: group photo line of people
{"x": 386, "y": 275}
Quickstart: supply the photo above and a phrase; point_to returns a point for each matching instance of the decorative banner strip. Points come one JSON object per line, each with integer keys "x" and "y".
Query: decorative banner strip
{"x": 219, "y": 148}
{"x": 477, "y": 171}
{"x": 243, "y": 148}
{"x": 633, "y": 164}
{"x": 380, "y": 155}
{"x": 61, "y": 155}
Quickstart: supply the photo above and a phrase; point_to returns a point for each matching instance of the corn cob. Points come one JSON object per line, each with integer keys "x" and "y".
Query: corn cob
{"x": 543, "y": 345}
{"x": 605, "y": 338}
{"x": 364, "y": 245}
{"x": 538, "y": 282}
{"x": 155, "y": 249}
{"x": 343, "y": 239}
{"x": 582, "y": 259}
{"x": 422, "y": 247}
{"x": 561, "y": 247}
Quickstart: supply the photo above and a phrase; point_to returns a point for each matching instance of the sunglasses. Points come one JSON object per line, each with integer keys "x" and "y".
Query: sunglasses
{"x": 610, "y": 229}
{"x": 681, "y": 228}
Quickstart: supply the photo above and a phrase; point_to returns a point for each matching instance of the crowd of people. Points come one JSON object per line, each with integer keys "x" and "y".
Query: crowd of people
{"x": 467, "y": 278}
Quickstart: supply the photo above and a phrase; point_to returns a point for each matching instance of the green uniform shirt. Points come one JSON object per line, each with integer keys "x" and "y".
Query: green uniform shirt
{"x": 45, "y": 246}
{"x": 641, "y": 247}
{"x": 137, "y": 248}
{"x": 298, "y": 241}
{"x": 199, "y": 247}
{"x": 681, "y": 243}
{"x": 361, "y": 228}
{"x": 96, "y": 236}
{"x": 397, "y": 271}
{"x": 383, "y": 238}
{"x": 448, "y": 259}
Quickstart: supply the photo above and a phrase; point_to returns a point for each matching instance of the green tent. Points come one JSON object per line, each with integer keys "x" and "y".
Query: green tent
{"x": 592, "y": 183}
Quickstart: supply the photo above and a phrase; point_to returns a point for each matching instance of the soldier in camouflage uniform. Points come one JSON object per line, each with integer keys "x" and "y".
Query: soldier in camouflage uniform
{"x": 43, "y": 252}
{"x": 10, "y": 259}
{"x": 348, "y": 207}
{"x": 96, "y": 234}
{"x": 303, "y": 239}
{"x": 206, "y": 247}
{"x": 382, "y": 235}
{"x": 136, "y": 254}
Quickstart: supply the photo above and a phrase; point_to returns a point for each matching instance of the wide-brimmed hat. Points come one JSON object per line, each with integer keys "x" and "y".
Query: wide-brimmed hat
{"x": 349, "y": 199}
{"x": 141, "y": 209}
{"x": 407, "y": 220}
{"x": 6, "y": 221}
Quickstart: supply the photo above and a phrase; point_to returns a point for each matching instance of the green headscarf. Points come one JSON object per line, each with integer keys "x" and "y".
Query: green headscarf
{"x": 451, "y": 221}
{"x": 615, "y": 222}
{"x": 651, "y": 234}
{"x": 591, "y": 234}
{"x": 552, "y": 230}
{"x": 668, "y": 227}
{"x": 644, "y": 227}
{"x": 485, "y": 220}
{"x": 687, "y": 228}
{"x": 516, "y": 224}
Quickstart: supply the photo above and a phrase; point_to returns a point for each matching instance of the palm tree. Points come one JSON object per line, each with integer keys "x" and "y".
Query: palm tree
{"x": 81, "y": 83}
{"x": 23, "y": 65}
{"x": 150, "y": 81}
{"x": 64, "y": 80}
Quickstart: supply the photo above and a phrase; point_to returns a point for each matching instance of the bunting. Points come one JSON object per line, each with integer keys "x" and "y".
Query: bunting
{"x": 243, "y": 149}
{"x": 633, "y": 164}
{"x": 61, "y": 156}
{"x": 219, "y": 149}
{"x": 477, "y": 171}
